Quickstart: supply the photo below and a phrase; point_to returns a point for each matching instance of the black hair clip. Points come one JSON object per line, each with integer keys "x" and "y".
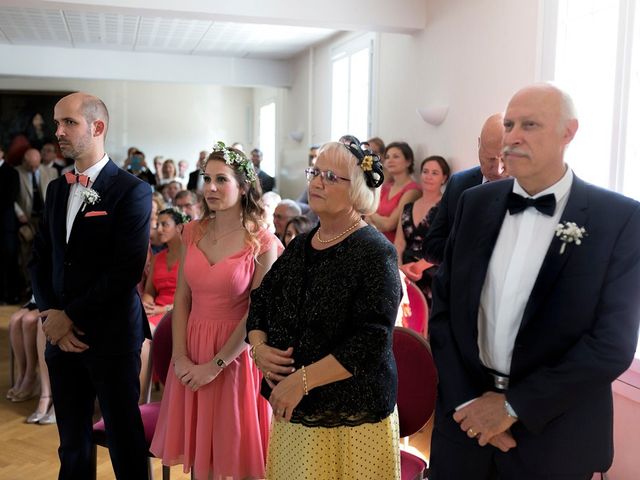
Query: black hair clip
{"x": 368, "y": 161}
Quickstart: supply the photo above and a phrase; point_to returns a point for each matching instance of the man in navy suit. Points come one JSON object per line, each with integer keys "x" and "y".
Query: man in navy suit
{"x": 536, "y": 311}
{"x": 88, "y": 258}
{"x": 490, "y": 169}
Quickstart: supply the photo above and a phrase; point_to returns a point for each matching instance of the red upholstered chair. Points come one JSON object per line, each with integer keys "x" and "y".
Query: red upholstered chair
{"x": 161, "y": 360}
{"x": 417, "y": 384}
{"x": 418, "y": 320}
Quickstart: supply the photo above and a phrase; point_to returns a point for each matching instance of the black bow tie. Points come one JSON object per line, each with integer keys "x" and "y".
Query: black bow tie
{"x": 545, "y": 204}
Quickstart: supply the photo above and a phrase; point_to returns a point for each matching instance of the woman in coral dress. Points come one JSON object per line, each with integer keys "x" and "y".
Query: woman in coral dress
{"x": 212, "y": 419}
{"x": 394, "y": 195}
{"x": 163, "y": 277}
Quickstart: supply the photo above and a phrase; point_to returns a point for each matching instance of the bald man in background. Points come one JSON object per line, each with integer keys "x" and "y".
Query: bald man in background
{"x": 490, "y": 169}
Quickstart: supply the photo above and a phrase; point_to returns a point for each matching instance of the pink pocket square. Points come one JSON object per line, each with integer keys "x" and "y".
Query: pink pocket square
{"x": 96, "y": 213}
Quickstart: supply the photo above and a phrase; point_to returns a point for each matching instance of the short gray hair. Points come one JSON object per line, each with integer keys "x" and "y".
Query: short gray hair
{"x": 292, "y": 206}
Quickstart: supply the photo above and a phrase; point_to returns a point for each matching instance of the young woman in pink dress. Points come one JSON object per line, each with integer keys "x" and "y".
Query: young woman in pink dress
{"x": 394, "y": 195}
{"x": 212, "y": 418}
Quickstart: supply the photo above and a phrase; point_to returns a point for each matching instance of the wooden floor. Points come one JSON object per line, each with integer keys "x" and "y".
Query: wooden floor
{"x": 28, "y": 452}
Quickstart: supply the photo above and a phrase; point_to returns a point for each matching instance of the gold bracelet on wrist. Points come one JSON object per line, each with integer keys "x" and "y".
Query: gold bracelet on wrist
{"x": 252, "y": 350}
{"x": 304, "y": 381}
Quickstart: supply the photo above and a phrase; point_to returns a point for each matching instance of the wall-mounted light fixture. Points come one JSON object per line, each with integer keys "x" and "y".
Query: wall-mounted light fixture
{"x": 433, "y": 115}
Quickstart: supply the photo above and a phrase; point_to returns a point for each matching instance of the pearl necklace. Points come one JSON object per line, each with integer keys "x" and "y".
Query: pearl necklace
{"x": 337, "y": 236}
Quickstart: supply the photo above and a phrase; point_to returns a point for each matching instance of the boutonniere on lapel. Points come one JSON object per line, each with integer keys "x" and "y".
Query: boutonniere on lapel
{"x": 89, "y": 197}
{"x": 569, "y": 232}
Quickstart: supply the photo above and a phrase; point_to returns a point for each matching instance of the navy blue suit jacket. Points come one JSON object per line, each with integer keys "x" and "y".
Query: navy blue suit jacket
{"x": 93, "y": 278}
{"x": 434, "y": 243}
{"x": 578, "y": 333}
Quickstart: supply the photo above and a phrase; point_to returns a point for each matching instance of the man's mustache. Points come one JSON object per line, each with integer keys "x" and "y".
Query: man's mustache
{"x": 514, "y": 151}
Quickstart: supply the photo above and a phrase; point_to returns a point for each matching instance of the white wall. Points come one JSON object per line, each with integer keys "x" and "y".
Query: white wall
{"x": 174, "y": 120}
{"x": 473, "y": 56}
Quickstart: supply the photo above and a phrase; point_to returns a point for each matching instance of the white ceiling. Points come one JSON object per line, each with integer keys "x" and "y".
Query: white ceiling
{"x": 111, "y": 30}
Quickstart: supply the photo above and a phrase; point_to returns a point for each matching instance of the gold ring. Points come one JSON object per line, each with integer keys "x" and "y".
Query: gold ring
{"x": 268, "y": 375}
{"x": 471, "y": 433}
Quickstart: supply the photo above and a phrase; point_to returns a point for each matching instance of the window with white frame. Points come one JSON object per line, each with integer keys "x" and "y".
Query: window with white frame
{"x": 267, "y": 137}
{"x": 351, "y": 65}
{"x": 594, "y": 54}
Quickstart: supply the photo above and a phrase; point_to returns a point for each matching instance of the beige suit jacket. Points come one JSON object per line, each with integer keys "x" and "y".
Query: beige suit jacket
{"x": 25, "y": 197}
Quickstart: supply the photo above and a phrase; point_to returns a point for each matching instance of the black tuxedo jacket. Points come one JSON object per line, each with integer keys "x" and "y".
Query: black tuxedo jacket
{"x": 578, "y": 333}
{"x": 267, "y": 182}
{"x": 192, "y": 184}
{"x": 93, "y": 278}
{"x": 434, "y": 242}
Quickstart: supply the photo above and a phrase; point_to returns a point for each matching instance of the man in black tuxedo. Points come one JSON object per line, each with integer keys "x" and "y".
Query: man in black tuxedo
{"x": 490, "y": 169}
{"x": 196, "y": 182}
{"x": 9, "y": 272}
{"x": 529, "y": 328}
{"x": 88, "y": 258}
{"x": 267, "y": 182}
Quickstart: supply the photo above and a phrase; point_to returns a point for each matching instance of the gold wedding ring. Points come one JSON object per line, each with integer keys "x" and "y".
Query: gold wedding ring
{"x": 471, "y": 433}
{"x": 268, "y": 375}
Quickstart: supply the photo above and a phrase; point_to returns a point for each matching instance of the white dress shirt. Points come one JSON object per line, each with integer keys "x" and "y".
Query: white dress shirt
{"x": 520, "y": 249}
{"x": 75, "y": 192}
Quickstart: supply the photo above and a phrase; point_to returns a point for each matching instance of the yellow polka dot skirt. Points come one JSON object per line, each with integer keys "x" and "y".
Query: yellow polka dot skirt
{"x": 368, "y": 451}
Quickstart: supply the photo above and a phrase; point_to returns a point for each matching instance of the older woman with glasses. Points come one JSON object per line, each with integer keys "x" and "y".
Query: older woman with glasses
{"x": 320, "y": 329}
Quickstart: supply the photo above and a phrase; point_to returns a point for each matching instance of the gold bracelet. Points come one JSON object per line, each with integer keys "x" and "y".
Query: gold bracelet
{"x": 304, "y": 381}
{"x": 252, "y": 350}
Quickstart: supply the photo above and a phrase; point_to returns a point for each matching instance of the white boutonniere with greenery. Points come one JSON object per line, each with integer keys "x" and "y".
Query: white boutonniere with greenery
{"x": 569, "y": 232}
{"x": 89, "y": 197}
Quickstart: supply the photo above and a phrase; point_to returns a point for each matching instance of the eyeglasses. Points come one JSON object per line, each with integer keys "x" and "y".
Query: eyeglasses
{"x": 327, "y": 176}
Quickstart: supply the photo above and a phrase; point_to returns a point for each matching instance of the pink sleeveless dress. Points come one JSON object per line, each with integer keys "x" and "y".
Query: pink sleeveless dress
{"x": 221, "y": 429}
{"x": 388, "y": 204}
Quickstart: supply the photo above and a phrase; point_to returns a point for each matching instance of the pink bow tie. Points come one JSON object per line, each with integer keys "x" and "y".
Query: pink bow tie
{"x": 77, "y": 178}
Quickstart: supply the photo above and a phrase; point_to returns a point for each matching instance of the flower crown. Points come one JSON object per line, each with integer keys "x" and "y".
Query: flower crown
{"x": 235, "y": 157}
{"x": 368, "y": 161}
{"x": 178, "y": 215}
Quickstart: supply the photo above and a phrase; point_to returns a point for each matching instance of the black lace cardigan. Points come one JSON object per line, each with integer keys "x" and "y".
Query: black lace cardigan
{"x": 341, "y": 301}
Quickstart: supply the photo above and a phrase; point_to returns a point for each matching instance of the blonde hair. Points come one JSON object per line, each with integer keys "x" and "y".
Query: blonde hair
{"x": 363, "y": 198}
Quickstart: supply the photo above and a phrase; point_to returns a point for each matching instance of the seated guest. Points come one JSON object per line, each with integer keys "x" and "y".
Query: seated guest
{"x": 137, "y": 166}
{"x": 417, "y": 216}
{"x": 285, "y": 211}
{"x": 44, "y": 413}
{"x": 188, "y": 202}
{"x": 157, "y": 165}
{"x": 376, "y": 145}
{"x": 182, "y": 176}
{"x": 320, "y": 328}
{"x": 170, "y": 191}
{"x": 22, "y": 335}
{"x": 270, "y": 201}
{"x": 395, "y": 194}
{"x": 295, "y": 227}
{"x": 169, "y": 172}
{"x": 157, "y": 205}
{"x": 161, "y": 282}
{"x": 50, "y": 158}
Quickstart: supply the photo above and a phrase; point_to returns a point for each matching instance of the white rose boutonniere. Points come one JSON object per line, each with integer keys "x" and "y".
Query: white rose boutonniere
{"x": 89, "y": 197}
{"x": 569, "y": 232}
